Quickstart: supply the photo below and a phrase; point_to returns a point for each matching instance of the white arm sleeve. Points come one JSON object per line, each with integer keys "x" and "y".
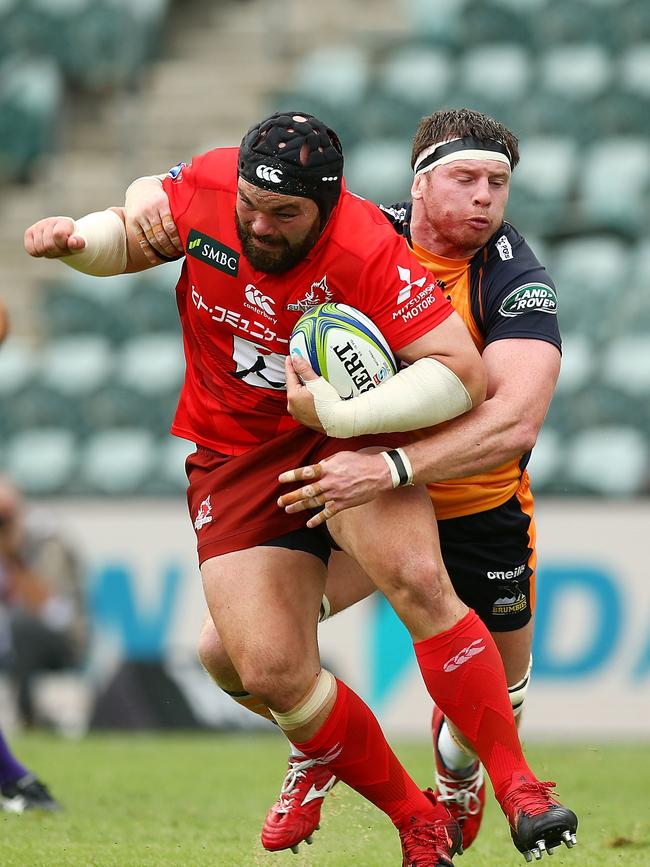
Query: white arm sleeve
{"x": 105, "y": 253}
{"x": 423, "y": 394}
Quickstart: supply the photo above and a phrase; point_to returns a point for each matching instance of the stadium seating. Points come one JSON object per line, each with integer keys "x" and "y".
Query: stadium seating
{"x": 152, "y": 364}
{"x": 542, "y": 186}
{"x": 169, "y": 476}
{"x": 614, "y": 184}
{"x": 498, "y": 71}
{"x": 420, "y": 74}
{"x": 119, "y": 406}
{"x": 487, "y": 21}
{"x": 626, "y": 364}
{"x": 578, "y": 363}
{"x": 334, "y": 74}
{"x": 635, "y": 69}
{"x": 42, "y": 460}
{"x": 117, "y": 461}
{"x": 31, "y": 95}
{"x": 546, "y": 461}
{"x": 18, "y": 369}
{"x": 381, "y": 170}
{"x": 613, "y": 461}
{"x": 441, "y": 23}
{"x": 77, "y": 366}
{"x": 37, "y": 405}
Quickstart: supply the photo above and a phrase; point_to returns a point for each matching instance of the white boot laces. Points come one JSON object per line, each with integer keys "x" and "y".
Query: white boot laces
{"x": 463, "y": 791}
{"x": 295, "y": 773}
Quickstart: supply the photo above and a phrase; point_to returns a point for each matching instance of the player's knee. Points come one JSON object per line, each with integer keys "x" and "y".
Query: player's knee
{"x": 420, "y": 585}
{"x": 279, "y": 682}
{"x": 214, "y": 658}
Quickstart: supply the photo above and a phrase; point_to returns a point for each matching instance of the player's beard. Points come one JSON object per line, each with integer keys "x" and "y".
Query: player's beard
{"x": 283, "y": 257}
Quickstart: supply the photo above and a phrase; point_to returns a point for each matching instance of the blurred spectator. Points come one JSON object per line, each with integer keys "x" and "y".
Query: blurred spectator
{"x": 42, "y": 621}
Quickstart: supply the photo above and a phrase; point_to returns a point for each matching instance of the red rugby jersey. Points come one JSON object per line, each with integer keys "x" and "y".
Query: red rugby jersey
{"x": 237, "y": 321}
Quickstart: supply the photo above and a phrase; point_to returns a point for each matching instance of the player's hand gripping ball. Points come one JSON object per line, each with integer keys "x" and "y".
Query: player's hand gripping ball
{"x": 345, "y": 347}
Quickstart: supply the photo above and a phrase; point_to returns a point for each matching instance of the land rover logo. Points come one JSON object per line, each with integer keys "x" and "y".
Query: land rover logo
{"x": 531, "y": 296}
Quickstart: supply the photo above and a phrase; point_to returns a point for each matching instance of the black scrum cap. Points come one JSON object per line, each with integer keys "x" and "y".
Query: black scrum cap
{"x": 295, "y": 154}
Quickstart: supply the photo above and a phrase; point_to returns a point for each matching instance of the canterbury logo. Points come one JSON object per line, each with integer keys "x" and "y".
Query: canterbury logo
{"x": 405, "y": 275}
{"x": 268, "y": 173}
{"x": 464, "y": 655}
{"x": 264, "y": 302}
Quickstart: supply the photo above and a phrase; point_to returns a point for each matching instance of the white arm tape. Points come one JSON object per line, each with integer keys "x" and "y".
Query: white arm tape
{"x": 423, "y": 394}
{"x": 105, "y": 253}
{"x": 159, "y": 178}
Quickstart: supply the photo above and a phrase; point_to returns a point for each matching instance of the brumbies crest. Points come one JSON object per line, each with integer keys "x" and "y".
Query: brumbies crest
{"x": 531, "y": 296}
{"x": 206, "y": 249}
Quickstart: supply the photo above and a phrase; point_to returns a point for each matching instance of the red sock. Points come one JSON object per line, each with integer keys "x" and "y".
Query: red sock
{"x": 464, "y": 674}
{"x": 353, "y": 745}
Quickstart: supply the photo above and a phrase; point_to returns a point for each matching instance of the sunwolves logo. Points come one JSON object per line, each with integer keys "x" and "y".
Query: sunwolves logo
{"x": 464, "y": 655}
{"x": 203, "y": 516}
{"x": 530, "y": 296}
{"x": 318, "y": 294}
{"x": 405, "y": 292}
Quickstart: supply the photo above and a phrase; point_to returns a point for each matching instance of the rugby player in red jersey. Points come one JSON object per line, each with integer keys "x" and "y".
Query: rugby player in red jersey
{"x": 475, "y": 465}
{"x": 264, "y": 229}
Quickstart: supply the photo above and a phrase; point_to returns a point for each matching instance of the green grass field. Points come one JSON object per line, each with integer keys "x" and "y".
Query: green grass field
{"x": 146, "y": 801}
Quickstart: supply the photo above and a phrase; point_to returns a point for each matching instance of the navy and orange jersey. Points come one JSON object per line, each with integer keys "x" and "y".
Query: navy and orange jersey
{"x": 237, "y": 321}
{"x": 501, "y": 292}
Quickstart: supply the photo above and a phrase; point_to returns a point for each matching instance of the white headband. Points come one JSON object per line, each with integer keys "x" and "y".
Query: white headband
{"x": 467, "y": 148}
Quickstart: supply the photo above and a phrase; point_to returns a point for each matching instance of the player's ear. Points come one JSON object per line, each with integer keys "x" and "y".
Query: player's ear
{"x": 417, "y": 187}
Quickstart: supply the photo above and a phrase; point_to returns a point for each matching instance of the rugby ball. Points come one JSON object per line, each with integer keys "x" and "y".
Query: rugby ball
{"x": 345, "y": 347}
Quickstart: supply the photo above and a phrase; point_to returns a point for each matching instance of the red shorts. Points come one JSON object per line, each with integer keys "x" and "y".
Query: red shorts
{"x": 233, "y": 500}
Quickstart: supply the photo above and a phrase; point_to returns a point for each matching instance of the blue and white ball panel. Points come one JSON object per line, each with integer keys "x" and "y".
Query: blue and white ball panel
{"x": 345, "y": 347}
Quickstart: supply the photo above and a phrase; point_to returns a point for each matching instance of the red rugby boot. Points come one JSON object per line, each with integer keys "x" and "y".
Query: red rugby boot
{"x": 538, "y": 822}
{"x": 295, "y": 815}
{"x": 464, "y": 796}
{"x": 430, "y": 841}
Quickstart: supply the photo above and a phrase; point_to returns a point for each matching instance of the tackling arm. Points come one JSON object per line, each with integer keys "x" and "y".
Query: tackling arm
{"x": 444, "y": 379}
{"x": 521, "y": 381}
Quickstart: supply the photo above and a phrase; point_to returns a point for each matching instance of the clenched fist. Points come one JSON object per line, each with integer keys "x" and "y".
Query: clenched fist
{"x": 52, "y": 238}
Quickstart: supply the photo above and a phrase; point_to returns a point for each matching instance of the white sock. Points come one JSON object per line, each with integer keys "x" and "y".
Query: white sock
{"x": 455, "y": 758}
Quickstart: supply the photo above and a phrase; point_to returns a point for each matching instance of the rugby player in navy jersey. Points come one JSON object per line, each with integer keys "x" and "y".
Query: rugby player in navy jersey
{"x": 330, "y": 726}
